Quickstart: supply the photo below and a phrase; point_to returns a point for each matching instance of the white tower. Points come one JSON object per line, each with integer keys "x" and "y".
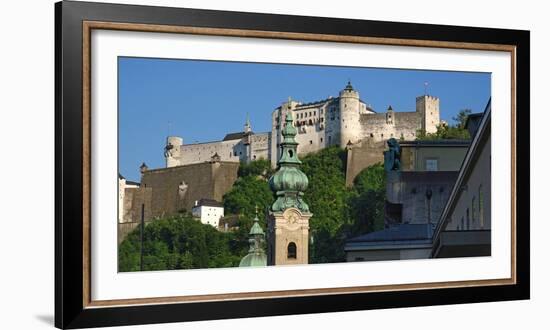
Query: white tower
{"x": 349, "y": 116}
{"x": 172, "y": 151}
{"x": 428, "y": 108}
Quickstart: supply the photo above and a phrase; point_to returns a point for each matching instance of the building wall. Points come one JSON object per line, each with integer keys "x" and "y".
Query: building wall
{"x": 177, "y": 188}
{"x": 290, "y": 226}
{"x": 209, "y": 215}
{"x": 123, "y": 198}
{"x": 362, "y": 155}
{"x": 413, "y": 158}
{"x": 414, "y": 186}
{"x": 476, "y": 186}
{"x": 383, "y": 126}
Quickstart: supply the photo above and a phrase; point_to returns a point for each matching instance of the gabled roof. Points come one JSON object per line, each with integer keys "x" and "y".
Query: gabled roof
{"x": 235, "y": 136}
{"x": 208, "y": 202}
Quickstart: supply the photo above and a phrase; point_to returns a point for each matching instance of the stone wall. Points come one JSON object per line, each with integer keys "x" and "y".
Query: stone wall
{"x": 383, "y": 126}
{"x": 176, "y": 189}
{"x": 362, "y": 155}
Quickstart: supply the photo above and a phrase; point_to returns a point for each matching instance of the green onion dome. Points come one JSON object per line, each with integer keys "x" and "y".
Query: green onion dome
{"x": 289, "y": 183}
{"x": 289, "y": 179}
{"x": 256, "y": 256}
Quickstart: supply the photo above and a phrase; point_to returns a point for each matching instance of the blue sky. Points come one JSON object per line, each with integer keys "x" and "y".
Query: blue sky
{"x": 203, "y": 100}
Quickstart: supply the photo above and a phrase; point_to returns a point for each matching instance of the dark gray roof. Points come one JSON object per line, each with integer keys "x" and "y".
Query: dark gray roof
{"x": 404, "y": 233}
{"x": 442, "y": 142}
{"x": 128, "y": 182}
{"x": 235, "y": 136}
{"x": 209, "y": 202}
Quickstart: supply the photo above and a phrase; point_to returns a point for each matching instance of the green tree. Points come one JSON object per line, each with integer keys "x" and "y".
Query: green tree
{"x": 367, "y": 202}
{"x": 327, "y": 197}
{"x": 251, "y": 190}
{"x": 457, "y": 131}
{"x": 259, "y": 168}
{"x": 178, "y": 242}
{"x": 462, "y": 117}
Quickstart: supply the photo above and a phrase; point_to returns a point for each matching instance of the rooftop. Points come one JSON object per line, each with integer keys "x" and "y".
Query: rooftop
{"x": 435, "y": 143}
{"x": 236, "y": 135}
{"x": 401, "y": 234}
{"x": 208, "y": 202}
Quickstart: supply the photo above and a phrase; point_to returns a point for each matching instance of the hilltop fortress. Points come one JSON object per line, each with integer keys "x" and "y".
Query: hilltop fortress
{"x": 342, "y": 121}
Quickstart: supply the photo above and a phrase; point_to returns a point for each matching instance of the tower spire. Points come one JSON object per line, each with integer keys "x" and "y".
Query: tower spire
{"x": 247, "y": 126}
{"x": 289, "y": 183}
{"x": 256, "y": 255}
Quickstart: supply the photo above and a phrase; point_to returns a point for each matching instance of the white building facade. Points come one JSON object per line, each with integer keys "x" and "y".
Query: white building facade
{"x": 208, "y": 211}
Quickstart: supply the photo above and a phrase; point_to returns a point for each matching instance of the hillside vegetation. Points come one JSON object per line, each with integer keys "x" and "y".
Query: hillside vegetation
{"x": 338, "y": 213}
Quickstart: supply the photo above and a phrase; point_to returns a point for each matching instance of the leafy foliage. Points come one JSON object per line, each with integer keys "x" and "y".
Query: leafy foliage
{"x": 251, "y": 190}
{"x": 367, "y": 203}
{"x": 258, "y": 168}
{"x": 327, "y": 197}
{"x": 449, "y": 132}
{"x": 178, "y": 242}
{"x": 181, "y": 242}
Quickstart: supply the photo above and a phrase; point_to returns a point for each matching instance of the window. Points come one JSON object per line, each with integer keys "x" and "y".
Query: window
{"x": 310, "y": 142}
{"x": 481, "y": 215}
{"x": 291, "y": 250}
{"x": 431, "y": 165}
{"x": 321, "y": 139}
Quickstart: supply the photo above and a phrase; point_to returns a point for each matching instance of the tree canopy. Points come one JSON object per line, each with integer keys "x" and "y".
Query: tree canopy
{"x": 178, "y": 242}
{"x": 339, "y": 212}
{"x": 449, "y": 131}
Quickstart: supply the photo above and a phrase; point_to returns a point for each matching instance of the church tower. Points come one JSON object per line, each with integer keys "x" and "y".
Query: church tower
{"x": 256, "y": 256}
{"x": 350, "y": 128}
{"x": 288, "y": 221}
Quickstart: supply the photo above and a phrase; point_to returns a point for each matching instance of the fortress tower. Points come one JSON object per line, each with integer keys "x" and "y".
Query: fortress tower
{"x": 288, "y": 221}
{"x": 428, "y": 108}
{"x": 172, "y": 150}
{"x": 350, "y": 129}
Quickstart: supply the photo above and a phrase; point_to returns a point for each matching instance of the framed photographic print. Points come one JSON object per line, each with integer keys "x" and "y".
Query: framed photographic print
{"x": 218, "y": 164}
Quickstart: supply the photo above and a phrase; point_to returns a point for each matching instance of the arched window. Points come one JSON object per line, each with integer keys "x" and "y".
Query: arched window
{"x": 291, "y": 250}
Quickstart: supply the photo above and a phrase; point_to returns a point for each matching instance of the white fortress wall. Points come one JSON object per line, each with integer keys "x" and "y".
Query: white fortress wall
{"x": 259, "y": 146}
{"x": 229, "y": 151}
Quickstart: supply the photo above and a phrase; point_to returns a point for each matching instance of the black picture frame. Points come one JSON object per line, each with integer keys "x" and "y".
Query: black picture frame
{"x": 70, "y": 310}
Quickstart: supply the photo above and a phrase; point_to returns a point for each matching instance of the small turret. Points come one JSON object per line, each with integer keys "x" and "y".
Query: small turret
{"x": 256, "y": 256}
{"x": 172, "y": 150}
{"x": 247, "y": 126}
